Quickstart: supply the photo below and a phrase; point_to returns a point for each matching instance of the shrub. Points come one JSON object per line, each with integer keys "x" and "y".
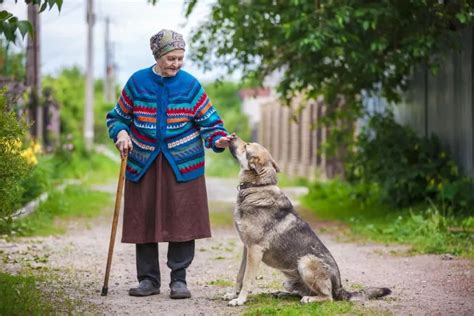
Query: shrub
{"x": 13, "y": 167}
{"x": 407, "y": 168}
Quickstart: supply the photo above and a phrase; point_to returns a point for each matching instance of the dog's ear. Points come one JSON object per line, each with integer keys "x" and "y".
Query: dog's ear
{"x": 255, "y": 164}
{"x": 274, "y": 164}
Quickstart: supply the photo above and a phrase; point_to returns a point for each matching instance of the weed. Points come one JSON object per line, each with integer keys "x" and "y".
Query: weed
{"x": 26, "y": 295}
{"x": 221, "y": 283}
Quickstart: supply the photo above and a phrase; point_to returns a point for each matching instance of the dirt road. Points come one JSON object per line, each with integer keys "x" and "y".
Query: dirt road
{"x": 422, "y": 285}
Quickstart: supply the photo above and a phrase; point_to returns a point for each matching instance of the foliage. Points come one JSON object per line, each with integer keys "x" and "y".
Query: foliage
{"x": 52, "y": 170}
{"x": 427, "y": 228}
{"x": 37, "y": 181}
{"x": 407, "y": 168}
{"x": 13, "y": 167}
{"x": 428, "y": 231}
{"x": 9, "y": 24}
{"x": 101, "y": 107}
{"x": 329, "y": 47}
{"x": 11, "y": 64}
{"x": 225, "y": 98}
{"x": 69, "y": 91}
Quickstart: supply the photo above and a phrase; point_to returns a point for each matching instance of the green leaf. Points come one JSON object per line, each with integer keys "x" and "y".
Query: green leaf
{"x": 59, "y": 4}
{"x": 9, "y": 31}
{"x": 43, "y": 7}
{"x": 462, "y": 17}
{"x": 365, "y": 25}
{"x": 4, "y": 15}
{"x": 25, "y": 27}
{"x": 190, "y": 4}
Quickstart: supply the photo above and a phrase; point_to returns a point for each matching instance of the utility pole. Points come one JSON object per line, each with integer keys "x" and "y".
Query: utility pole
{"x": 89, "y": 106}
{"x": 109, "y": 89}
{"x": 33, "y": 80}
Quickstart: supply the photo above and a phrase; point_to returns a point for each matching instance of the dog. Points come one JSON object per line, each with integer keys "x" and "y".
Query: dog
{"x": 272, "y": 232}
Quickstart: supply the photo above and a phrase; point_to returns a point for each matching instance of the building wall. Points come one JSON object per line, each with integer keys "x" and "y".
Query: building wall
{"x": 443, "y": 104}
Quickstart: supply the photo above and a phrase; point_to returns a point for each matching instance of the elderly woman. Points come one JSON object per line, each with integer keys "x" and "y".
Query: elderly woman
{"x": 161, "y": 120}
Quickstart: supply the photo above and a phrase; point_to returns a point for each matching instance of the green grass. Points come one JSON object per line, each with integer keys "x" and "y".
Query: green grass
{"x": 425, "y": 227}
{"x": 221, "y": 214}
{"x": 221, "y": 165}
{"x": 93, "y": 168}
{"x": 220, "y": 283}
{"x": 20, "y": 295}
{"x": 286, "y": 181}
{"x": 75, "y": 202}
{"x": 265, "y": 304}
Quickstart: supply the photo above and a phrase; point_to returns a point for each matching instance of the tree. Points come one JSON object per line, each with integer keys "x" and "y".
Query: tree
{"x": 9, "y": 24}
{"x": 333, "y": 47}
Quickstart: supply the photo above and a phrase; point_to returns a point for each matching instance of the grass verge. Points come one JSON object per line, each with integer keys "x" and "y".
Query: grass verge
{"x": 221, "y": 165}
{"x": 265, "y": 304}
{"x": 21, "y": 295}
{"x": 221, "y": 214}
{"x": 75, "y": 202}
{"x": 51, "y": 218}
{"x": 425, "y": 227}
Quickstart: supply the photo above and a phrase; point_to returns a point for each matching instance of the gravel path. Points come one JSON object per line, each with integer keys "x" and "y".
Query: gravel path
{"x": 422, "y": 285}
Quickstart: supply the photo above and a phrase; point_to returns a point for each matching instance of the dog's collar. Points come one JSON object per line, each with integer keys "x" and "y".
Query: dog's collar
{"x": 246, "y": 185}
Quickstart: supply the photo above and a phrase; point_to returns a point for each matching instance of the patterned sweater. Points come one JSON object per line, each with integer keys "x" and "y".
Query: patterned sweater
{"x": 169, "y": 115}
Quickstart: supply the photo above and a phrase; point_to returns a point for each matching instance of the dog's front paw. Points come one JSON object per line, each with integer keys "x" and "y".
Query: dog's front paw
{"x": 307, "y": 299}
{"x": 230, "y": 296}
{"x": 237, "y": 302}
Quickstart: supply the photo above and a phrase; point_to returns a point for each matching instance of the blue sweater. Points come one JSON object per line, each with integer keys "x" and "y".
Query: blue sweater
{"x": 169, "y": 115}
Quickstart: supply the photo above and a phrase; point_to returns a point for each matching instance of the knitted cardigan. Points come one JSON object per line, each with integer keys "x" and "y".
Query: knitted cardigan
{"x": 169, "y": 115}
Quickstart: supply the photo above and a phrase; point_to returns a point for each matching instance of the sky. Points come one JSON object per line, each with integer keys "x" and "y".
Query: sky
{"x": 133, "y": 22}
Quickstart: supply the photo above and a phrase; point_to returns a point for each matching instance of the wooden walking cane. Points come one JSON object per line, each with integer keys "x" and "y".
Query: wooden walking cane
{"x": 118, "y": 200}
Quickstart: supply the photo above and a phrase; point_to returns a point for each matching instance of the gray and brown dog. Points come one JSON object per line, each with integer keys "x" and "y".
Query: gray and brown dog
{"x": 272, "y": 232}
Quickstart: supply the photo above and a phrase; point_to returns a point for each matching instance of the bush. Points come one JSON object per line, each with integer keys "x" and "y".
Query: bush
{"x": 13, "y": 167}
{"x": 37, "y": 181}
{"x": 406, "y": 168}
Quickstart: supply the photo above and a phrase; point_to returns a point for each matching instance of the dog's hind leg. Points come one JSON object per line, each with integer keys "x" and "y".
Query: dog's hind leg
{"x": 316, "y": 276}
{"x": 240, "y": 277}
{"x": 254, "y": 256}
{"x": 293, "y": 286}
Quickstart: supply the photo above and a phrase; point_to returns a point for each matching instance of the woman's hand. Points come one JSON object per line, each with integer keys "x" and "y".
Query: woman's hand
{"x": 124, "y": 143}
{"x": 224, "y": 141}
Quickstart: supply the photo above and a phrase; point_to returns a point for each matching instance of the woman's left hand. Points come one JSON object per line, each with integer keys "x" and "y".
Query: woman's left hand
{"x": 224, "y": 141}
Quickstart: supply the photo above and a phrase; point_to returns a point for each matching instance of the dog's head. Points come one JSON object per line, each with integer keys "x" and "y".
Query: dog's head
{"x": 254, "y": 159}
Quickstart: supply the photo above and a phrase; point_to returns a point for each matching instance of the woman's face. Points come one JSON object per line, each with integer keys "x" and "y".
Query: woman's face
{"x": 170, "y": 63}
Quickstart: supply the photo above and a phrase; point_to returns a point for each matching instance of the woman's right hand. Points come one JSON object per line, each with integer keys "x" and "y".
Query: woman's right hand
{"x": 124, "y": 143}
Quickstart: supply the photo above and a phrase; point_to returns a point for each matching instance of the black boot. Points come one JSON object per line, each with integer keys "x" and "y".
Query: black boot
{"x": 179, "y": 290}
{"x": 145, "y": 288}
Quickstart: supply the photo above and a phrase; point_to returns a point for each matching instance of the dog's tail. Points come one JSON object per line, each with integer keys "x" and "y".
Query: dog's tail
{"x": 362, "y": 295}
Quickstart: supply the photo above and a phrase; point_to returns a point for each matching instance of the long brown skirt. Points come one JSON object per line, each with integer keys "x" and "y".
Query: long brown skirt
{"x": 159, "y": 208}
